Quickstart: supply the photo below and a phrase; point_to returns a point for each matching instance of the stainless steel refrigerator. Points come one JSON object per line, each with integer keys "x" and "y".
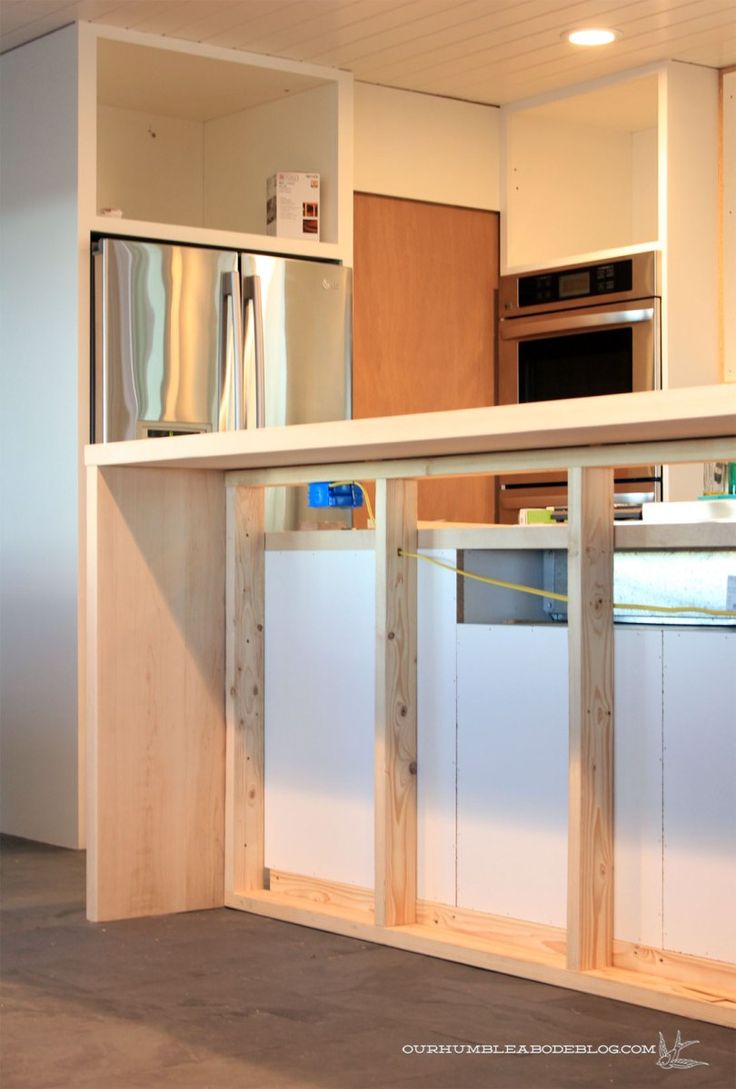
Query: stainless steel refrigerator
{"x": 189, "y": 339}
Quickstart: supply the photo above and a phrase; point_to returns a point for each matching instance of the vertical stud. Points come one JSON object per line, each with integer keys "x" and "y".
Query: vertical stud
{"x": 396, "y": 704}
{"x": 245, "y": 619}
{"x": 590, "y": 648}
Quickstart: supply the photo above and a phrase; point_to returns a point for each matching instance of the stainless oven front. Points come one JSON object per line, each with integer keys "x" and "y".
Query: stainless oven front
{"x": 579, "y": 331}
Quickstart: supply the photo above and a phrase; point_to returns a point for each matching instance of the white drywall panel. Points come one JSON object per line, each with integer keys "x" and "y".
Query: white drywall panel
{"x": 436, "y": 729}
{"x": 39, "y": 440}
{"x": 242, "y": 150}
{"x": 320, "y": 653}
{"x": 637, "y": 785}
{"x": 512, "y": 696}
{"x": 150, "y": 166}
{"x": 569, "y": 190}
{"x": 320, "y": 657}
{"x": 424, "y": 147}
{"x": 699, "y": 795}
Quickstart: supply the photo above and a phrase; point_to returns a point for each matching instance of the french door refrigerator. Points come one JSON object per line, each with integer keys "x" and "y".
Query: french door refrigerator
{"x": 189, "y": 339}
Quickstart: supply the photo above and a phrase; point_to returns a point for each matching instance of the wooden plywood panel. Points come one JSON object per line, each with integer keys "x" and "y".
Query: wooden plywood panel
{"x": 699, "y": 796}
{"x": 512, "y": 771}
{"x": 436, "y": 729}
{"x": 156, "y": 760}
{"x": 320, "y": 656}
{"x": 425, "y": 278}
{"x": 637, "y": 783}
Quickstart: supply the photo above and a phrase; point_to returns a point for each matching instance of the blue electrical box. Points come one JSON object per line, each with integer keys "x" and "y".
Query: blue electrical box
{"x": 335, "y": 495}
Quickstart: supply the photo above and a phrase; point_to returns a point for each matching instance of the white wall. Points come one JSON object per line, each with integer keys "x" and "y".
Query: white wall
{"x": 39, "y": 440}
{"x": 690, "y": 296}
{"x": 151, "y": 167}
{"x": 569, "y": 189}
{"x": 426, "y": 148}
{"x": 296, "y": 133}
{"x": 644, "y": 185}
{"x": 689, "y": 212}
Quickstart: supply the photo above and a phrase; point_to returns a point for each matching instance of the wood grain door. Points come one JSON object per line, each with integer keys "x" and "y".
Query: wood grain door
{"x": 425, "y": 284}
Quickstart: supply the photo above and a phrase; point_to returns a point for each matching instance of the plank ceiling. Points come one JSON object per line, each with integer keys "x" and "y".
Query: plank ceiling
{"x": 491, "y": 51}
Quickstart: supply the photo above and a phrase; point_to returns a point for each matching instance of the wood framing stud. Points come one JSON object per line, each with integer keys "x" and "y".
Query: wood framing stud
{"x": 245, "y": 610}
{"x": 396, "y": 704}
{"x": 590, "y": 648}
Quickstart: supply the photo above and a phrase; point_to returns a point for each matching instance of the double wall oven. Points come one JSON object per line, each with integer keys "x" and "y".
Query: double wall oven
{"x": 579, "y": 331}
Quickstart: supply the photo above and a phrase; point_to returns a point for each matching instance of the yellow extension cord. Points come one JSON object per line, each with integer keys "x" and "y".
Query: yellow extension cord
{"x": 563, "y": 597}
{"x": 631, "y": 605}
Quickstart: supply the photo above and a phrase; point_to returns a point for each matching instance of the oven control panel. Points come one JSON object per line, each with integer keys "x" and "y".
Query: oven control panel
{"x": 582, "y": 282}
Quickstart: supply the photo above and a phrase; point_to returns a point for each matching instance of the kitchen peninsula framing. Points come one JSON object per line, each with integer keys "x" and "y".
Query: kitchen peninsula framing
{"x": 175, "y": 674}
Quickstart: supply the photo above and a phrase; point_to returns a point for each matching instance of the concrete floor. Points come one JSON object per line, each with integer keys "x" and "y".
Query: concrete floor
{"x": 225, "y": 1000}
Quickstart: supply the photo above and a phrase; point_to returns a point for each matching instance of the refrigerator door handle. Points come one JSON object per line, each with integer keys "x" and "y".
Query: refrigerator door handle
{"x": 233, "y": 323}
{"x": 252, "y": 295}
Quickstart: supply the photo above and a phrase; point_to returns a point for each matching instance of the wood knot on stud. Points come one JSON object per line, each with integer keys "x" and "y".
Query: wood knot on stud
{"x": 413, "y": 767}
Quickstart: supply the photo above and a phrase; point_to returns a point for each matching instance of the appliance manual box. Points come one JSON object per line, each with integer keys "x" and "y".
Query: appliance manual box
{"x": 292, "y": 205}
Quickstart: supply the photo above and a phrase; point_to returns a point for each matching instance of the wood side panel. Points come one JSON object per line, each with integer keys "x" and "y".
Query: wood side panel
{"x": 590, "y": 791}
{"x": 396, "y": 704}
{"x": 425, "y": 282}
{"x": 94, "y": 483}
{"x": 245, "y": 618}
{"x": 156, "y": 692}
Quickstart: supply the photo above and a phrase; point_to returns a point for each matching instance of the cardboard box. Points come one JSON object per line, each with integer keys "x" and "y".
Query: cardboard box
{"x": 292, "y": 205}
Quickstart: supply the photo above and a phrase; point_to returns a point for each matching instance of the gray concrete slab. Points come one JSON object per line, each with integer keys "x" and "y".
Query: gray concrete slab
{"x": 225, "y": 1000}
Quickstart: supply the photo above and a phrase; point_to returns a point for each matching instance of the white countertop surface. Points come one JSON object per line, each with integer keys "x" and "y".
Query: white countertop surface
{"x": 695, "y": 413}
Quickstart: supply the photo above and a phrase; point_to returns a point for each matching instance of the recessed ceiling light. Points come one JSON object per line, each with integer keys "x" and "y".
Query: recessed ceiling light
{"x": 591, "y": 36}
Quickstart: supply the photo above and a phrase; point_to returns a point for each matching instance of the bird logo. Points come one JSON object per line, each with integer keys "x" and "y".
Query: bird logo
{"x": 669, "y": 1058}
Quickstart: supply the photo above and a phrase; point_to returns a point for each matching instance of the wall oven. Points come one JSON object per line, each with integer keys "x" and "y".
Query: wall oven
{"x": 579, "y": 331}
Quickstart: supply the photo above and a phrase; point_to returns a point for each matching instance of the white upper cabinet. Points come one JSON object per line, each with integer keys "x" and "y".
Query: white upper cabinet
{"x": 581, "y": 173}
{"x": 185, "y": 137}
{"x": 627, "y": 163}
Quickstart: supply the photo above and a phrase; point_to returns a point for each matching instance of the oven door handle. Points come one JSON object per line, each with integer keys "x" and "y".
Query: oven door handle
{"x": 520, "y": 328}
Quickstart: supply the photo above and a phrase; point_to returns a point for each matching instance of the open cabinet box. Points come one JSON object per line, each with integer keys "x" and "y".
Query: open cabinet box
{"x": 187, "y": 137}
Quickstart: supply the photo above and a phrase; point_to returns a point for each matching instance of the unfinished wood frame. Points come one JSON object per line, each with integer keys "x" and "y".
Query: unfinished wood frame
{"x": 590, "y": 774}
{"x": 585, "y": 957}
{"x": 245, "y": 690}
{"x": 395, "y": 802}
